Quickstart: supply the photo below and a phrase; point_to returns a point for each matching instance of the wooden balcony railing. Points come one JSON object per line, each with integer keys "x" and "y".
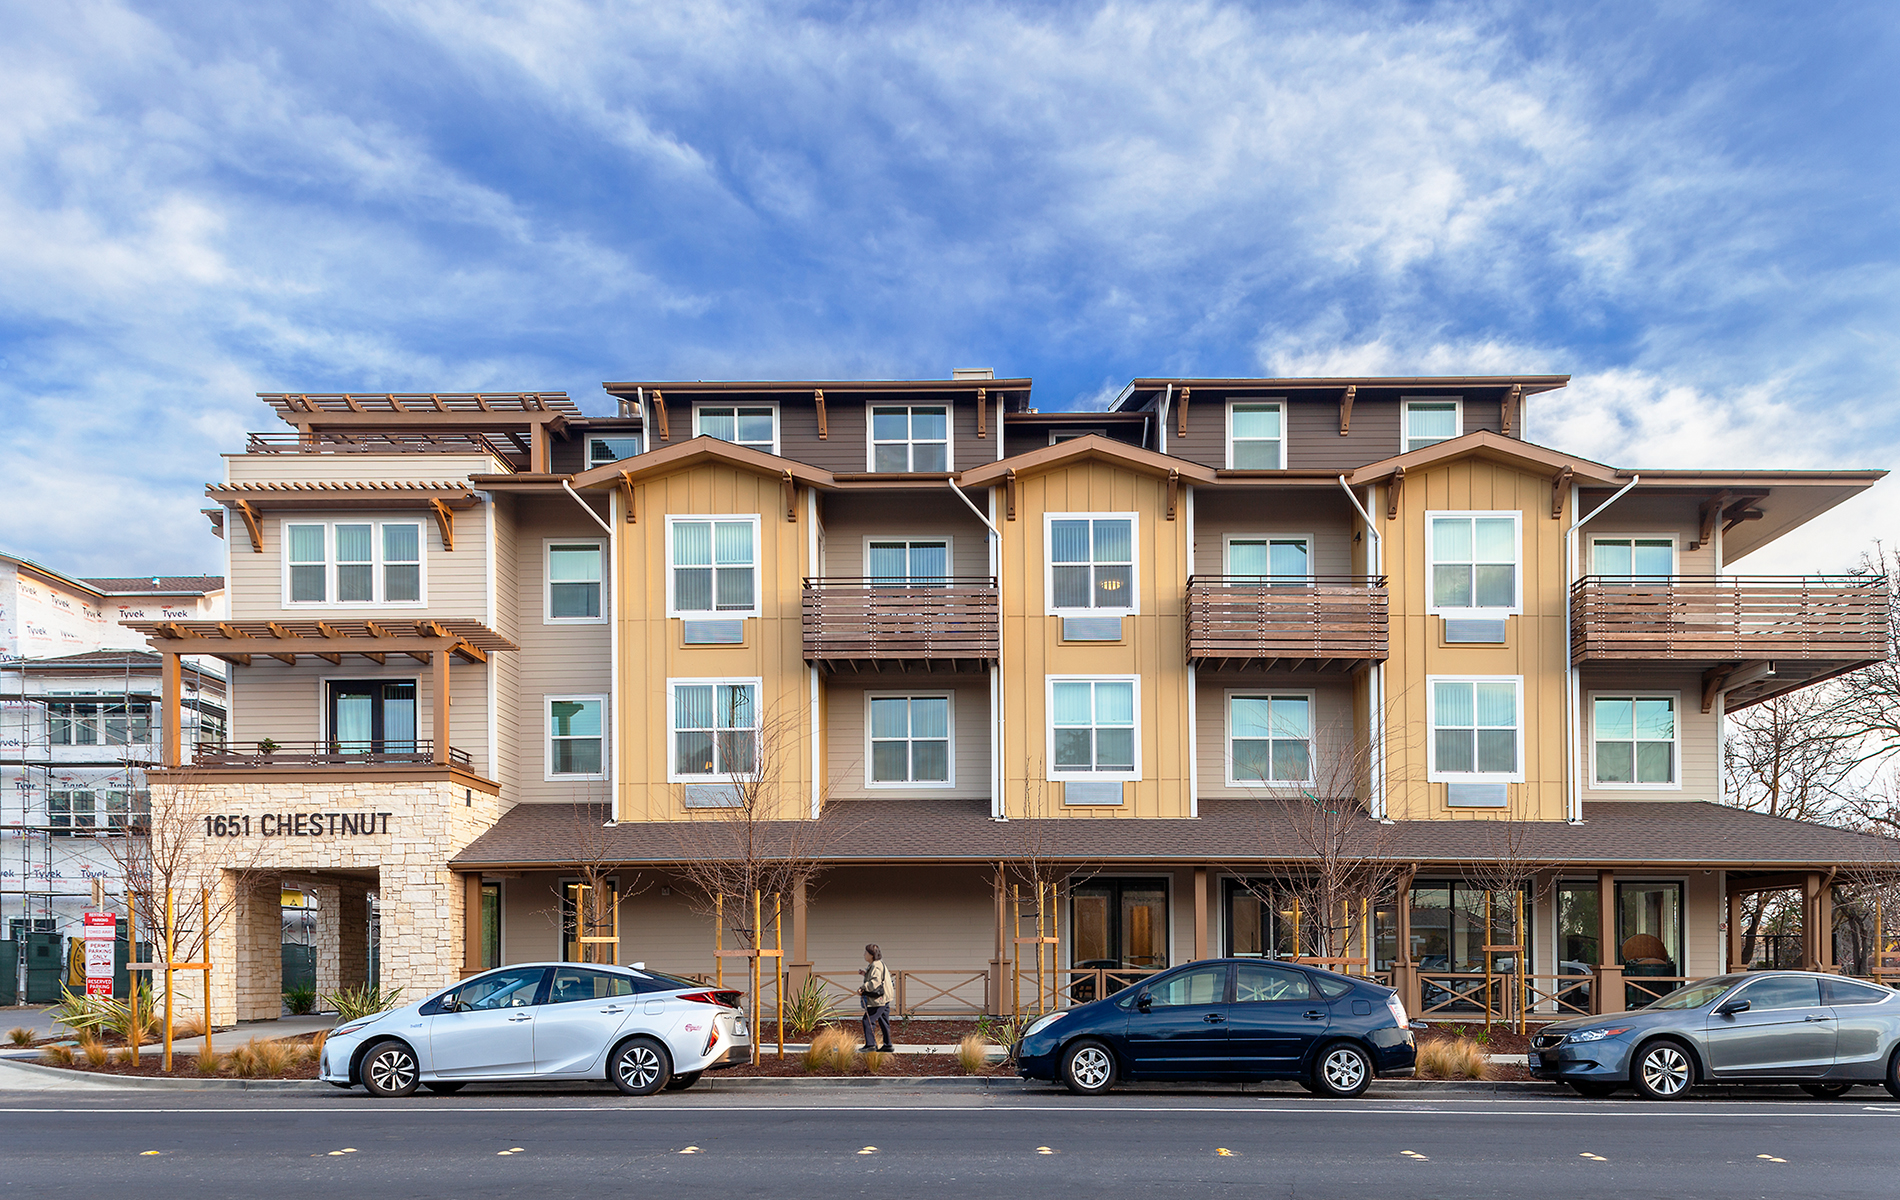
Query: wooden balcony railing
{"x": 1314, "y": 621}
{"x": 1838, "y": 620}
{"x": 343, "y": 755}
{"x": 859, "y": 624}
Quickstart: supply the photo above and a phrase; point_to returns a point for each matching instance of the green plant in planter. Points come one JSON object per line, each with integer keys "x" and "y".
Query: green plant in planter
{"x": 809, "y": 1007}
{"x": 302, "y": 1001}
{"x": 267, "y": 747}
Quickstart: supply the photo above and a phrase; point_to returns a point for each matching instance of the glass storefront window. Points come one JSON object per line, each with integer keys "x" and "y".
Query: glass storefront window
{"x": 1448, "y": 926}
{"x": 1123, "y": 922}
{"x": 1259, "y": 920}
{"x": 1649, "y": 926}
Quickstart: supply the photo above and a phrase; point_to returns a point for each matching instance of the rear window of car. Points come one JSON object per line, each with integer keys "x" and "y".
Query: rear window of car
{"x": 655, "y": 981}
{"x": 1332, "y": 986}
{"x": 1842, "y": 991}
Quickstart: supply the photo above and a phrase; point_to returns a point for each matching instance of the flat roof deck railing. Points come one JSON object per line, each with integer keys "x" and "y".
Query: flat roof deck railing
{"x": 858, "y": 623}
{"x": 1317, "y": 621}
{"x": 330, "y": 442}
{"x": 344, "y": 755}
{"x": 1684, "y": 618}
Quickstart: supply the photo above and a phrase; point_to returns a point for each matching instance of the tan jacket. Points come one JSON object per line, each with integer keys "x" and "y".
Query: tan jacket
{"x": 876, "y": 987}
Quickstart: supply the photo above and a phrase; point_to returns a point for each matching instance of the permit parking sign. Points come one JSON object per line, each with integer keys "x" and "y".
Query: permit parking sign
{"x": 102, "y": 933}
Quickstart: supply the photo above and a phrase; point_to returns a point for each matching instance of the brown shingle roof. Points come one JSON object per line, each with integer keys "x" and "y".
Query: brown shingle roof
{"x": 1692, "y": 833}
{"x": 158, "y": 585}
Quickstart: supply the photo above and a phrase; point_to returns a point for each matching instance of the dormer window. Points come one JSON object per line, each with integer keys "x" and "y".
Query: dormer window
{"x": 912, "y": 437}
{"x": 754, "y": 426}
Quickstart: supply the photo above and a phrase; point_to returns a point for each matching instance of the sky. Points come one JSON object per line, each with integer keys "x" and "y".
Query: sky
{"x": 1688, "y": 207}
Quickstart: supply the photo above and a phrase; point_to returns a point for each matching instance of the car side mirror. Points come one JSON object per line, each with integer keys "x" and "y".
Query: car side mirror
{"x": 1731, "y": 1007}
{"x": 1144, "y": 1002}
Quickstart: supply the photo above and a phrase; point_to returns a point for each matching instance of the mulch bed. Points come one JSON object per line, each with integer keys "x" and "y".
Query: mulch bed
{"x": 185, "y": 1065}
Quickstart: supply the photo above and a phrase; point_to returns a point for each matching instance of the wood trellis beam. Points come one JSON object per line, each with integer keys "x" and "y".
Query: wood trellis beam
{"x": 251, "y": 525}
{"x": 444, "y": 522}
{"x": 1345, "y": 409}
{"x": 818, "y": 399}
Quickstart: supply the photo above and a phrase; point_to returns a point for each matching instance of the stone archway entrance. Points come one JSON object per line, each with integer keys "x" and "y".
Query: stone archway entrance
{"x": 336, "y": 906}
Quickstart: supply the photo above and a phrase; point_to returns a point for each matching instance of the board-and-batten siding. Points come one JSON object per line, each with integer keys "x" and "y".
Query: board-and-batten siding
{"x": 565, "y": 659}
{"x": 1326, "y": 517}
{"x": 1333, "y": 731}
{"x": 848, "y": 752}
{"x": 850, "y": 519}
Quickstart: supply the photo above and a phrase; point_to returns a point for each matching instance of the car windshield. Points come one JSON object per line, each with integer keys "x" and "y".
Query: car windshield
{"x": 1695, "y": 995}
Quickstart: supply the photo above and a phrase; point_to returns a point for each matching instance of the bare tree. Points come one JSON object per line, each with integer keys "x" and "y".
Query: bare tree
{"x": 1509, "y": 867}
{"x": 592, "y": 920}
{"x": 1866, "y": 703}
{"x": 1037, "y": 880}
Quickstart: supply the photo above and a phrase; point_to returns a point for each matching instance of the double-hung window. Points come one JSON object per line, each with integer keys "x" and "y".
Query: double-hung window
{"x": 714, "y": 563}
{"x": 1270, "y": 559}
{"x": 1269, "y": 738}
{"x": 1428, "y": 422}
{"x": 93, "y": 723}
{"x": 1474, "y": 557}
{"x": 894, "y": 561}
{"x": 70, "y": 811}
{"x": 1635, "y": 740}
{"x": 1477, "y": 729}
{"x": 715, "y": 731}
{"x": 751, "y": 425}
{"x": 1092, "y": 562}
{"x": 574, "y": 581}
{"x": 1092, "y": 728}
{"x": 353, "y": 562}
{"x": 577, "y": 729}
{"x": 910, "y": 740}
{"x": 611, "y": 449}
{"x": 910, "y": 437}
{"x": 1633, "y": 558}
{"x": 1256, "y": 435}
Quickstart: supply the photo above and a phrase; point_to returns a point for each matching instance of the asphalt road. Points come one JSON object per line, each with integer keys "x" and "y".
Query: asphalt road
{"x": 895, "y": 1147}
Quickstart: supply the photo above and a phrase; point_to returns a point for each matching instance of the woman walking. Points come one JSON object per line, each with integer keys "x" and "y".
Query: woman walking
{"x": 875, "y": 994}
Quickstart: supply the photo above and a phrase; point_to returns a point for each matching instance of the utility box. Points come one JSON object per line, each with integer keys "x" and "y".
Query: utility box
{"x": 45, "y": 967}
{"x": 9, "y": 973}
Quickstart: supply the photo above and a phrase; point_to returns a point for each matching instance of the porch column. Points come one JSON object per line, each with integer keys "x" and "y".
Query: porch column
{"x": 471, "y": 923}
{"x": 999, "y": 965}
{"x": 1824, "y": 926}
{"x": 171, "y": 723}
{"x": 1607, "y": 991}
{"x": 800, "y": 968}
{"x": 1200, "y": 913}
{"x": 1810, "y": 921}
{"x": 439, "y": 668}
{"x": 1735, "y": 962}
{"x": 1404, "y": 971}
{"x": 352, "y": 935}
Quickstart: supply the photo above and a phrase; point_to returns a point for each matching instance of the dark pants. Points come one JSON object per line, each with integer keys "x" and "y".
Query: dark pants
{"x": 874, "y": 1020}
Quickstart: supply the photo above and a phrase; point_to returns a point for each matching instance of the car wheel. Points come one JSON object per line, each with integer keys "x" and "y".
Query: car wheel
{"x": 680, "y": 1083}
{"x": 1088, "y": 1068}
{"x": 641, "y": 1067}
{"x": 1827, "y": 1091}
{"x": 445, "y": 1087}
{"x": 1342, "y": 1071}
{"x": 1662, "y": 1071}
{"x": 1595, "y": 1089}
{"x": 389, "y": 1069}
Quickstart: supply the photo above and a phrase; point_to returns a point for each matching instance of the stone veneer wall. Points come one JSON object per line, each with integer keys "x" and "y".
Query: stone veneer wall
{"x": 429, "y": 822}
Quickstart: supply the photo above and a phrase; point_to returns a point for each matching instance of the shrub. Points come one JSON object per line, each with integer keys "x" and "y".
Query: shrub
{"x": 809, "y": 1007}
{"x": 302, "y": 1001}
{"x": 243, "y": 1060}
{"x": 188, "y": 1027}
{"x": 353, "y": 1003}
{"x": 57, "y": 1056}
{"x": 126, "y": 1057}
{"x": 208, "y": 1064}
{"x": 20, "y": 1035}
{"x": 830, "y": 1050}
{"x": 276, "y": 1058}
{"x": 94, "y": 1050}
{"x": 316, "y": 1045}
{"x": 103, "y": 1014}
{"x": 1453, "y": 1058}
{"x": 876, "y": 1060}
{"x": 1004, "y": 1031}
{"x": 973, "y": 1054}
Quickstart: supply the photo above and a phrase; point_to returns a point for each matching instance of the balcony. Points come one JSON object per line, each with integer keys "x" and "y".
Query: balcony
{"x": 1313, "y": 622}
{"x": 346, "y": 756}
{"x": 869, "y": 625}
{"x": 1777, "y": 632}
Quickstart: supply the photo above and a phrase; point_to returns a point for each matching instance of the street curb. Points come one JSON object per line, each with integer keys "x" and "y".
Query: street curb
{"x": 153, "y": 1083}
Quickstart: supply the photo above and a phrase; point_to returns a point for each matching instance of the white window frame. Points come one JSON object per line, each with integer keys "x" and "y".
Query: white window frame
{"x": 1675, "y": 549}
{"x": 94, "y": 797}
{"x": 1312, "y": 737}
{"x": 756, "y": 683}
{"x": 1405, "y": 424}
{"x": 1227, "y": 545}
{"x": 1431, "y": 562}
{"x": 1277, "y": 402}
{"x": 547, "y": 581}
{"x": 377, "y": 565}
{"x": 1675, "y": 745}
{"x": 638, "y": 435}
{"x": 1049, "y": 739}
{"x": 1433, "y": 774}
{"x": 548, "y": 773}
{"x": 1057, "y": 436}
{"x": 778, "y": 425}
{"x": 949, "y": 551}
{"x": 950, "y": 735}
{"x": 871, "y": 442}
{"x": 1134, "y": 569}
{"x": 758, "y": 570}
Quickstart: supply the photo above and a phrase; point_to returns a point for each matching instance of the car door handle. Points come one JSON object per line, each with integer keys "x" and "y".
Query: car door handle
{"x": 1213, "y": 1018}
{"x": 1314, "y": 1015}
{"x": 512, "y": 1020}
{"x": 614, "y": 1009}
{"x": 1814, "y": 1018}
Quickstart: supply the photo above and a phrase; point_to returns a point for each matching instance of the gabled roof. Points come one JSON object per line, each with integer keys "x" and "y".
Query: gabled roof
{"x": 703, "y": 450}
{"x": 1089, "y": 446}
{"x": 1140, "y": 392}
{"x": 1496, "y": 448}
{"x": 159, "y": 585}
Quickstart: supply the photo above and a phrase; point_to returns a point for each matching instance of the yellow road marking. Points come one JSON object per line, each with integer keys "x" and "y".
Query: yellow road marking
{"x": 144, "y": 1153}
{"x": 1593, "y": 1157}
{"x": 868, "y": 1150}
{"x": 690, "y": 1150}
{"x": 1224, "y": 1152}
{"x": 1771, "y": 1158}
{"x": 1044, "y": 1150}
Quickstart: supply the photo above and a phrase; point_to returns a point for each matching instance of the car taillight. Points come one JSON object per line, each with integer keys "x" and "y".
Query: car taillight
{"x": 712, "y": 1039}
{"x": 720, "y": 999}
{"x": 1397, "y": 1008}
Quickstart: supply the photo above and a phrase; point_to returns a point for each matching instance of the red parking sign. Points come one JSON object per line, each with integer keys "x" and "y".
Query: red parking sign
{"x": 102, "y": 931}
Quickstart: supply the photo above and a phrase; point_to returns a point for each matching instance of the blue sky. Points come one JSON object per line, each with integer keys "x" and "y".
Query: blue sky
{"x": 1689, "y": 207}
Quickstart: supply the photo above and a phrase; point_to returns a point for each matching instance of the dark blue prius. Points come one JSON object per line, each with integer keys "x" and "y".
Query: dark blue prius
{"x": 1227, "y": 1019}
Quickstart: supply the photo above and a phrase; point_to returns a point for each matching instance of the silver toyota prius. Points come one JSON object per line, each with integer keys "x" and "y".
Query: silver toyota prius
{"x": 1822, "y": 1032}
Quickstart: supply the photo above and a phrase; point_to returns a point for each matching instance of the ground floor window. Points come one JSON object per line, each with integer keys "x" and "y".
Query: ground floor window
{"x": 1119, "y": 923}
{"x": 491, "y": 925}
{"x": 1450, "y": 928}
{"x": 1648, "y": 935}
{"x": 590, "y": 922}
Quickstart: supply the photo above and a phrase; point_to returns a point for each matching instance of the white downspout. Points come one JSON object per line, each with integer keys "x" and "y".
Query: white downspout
{"x": 997, "y": 810}
{"x": 817, "y": 743}
{"x": 1375, "y": 677}
{"x": 1573, "y": 678}
{"x": 1161, "y": 422}
{"x": 1194, "y": 684}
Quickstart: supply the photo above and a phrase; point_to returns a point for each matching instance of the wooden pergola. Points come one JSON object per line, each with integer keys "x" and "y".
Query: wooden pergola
{"x": 434, "y": 641}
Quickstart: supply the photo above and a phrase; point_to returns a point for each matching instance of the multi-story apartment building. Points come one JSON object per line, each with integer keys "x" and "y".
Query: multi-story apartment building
{"x": 1175, "y": 660}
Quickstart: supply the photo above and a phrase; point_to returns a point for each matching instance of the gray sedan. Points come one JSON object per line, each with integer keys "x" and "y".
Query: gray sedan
{"x": 1822, "y": 1032}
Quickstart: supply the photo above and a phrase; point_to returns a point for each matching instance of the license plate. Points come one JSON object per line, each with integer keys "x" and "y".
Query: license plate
{"x": 1537, "y": 1060}
{"x": 739, "y": 1029}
